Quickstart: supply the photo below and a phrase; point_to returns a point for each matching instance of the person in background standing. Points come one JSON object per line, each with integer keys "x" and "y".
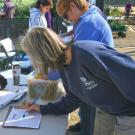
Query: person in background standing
{"x": 8, "y": 10}
{"x": 37, "y": 13}
{"x": 37, "y": 18}
{"x": 128, "y": 8}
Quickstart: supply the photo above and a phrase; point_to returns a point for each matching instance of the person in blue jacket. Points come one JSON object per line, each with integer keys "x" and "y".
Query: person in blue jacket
{"x": 89, "y": 24}
{"x": 92, "y": 73}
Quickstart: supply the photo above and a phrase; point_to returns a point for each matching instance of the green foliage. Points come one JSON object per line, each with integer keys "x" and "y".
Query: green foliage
{"x": 1, "y": 4}
{"x": 117, "y": 25}
{"x": 117, "y": 2}
{"x": 115, "y": 12}
{"x": 22, "y": 8}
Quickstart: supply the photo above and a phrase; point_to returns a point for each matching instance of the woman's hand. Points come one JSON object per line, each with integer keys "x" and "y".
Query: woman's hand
{"x": 30, "y": 107}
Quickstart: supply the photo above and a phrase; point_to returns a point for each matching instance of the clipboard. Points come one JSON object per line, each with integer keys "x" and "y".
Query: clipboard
{"x": 17, "y": 117}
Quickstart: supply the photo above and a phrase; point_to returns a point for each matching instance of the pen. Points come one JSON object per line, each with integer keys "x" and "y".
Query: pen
{"x": 17, "y": 91}
{"x": 34, "y": 101}
{"x": 24, "y": 115}
{"x": 23, "y": 85}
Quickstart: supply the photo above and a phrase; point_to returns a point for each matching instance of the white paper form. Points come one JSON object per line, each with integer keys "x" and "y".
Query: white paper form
{"x": 21, "y": 118}
{"x": 6, "y": 97}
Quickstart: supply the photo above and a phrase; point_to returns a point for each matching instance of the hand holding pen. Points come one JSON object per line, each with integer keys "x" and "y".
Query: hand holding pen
{"x": 31, "y": 106}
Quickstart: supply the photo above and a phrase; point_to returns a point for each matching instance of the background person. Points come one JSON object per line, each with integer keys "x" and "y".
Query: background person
{"x": 37, "y": 18}
{"x": 100, "y": 76}
{"x": 8, "y": 10}
{"x": 37, "y": 13}
{"x": 128, "y": 8}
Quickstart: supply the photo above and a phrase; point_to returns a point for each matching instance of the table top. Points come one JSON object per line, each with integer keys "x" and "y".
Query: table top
{"x": 50, "y": 124}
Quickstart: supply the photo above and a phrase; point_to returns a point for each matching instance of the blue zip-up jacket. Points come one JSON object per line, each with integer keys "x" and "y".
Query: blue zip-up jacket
{"x": 37, "y": 18}
{"x": 99, "y": 76}
{"x": 93, "y": 26}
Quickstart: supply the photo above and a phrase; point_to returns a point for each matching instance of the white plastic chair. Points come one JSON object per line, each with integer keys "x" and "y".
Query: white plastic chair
{"x": 9, "y": 54}
{"x": 7, "y": 51}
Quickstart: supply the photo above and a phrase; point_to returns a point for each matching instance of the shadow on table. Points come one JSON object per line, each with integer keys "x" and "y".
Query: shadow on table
{"x": 72, "y": 133}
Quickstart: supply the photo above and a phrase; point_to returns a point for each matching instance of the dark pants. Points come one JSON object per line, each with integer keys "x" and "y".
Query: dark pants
{"x": 127, "y": 13}
{"x": 87, "y": 119}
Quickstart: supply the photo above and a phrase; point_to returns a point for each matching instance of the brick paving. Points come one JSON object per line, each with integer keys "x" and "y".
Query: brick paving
{"x": 127, "y": 45}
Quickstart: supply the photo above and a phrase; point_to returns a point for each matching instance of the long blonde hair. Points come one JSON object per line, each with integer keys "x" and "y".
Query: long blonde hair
{"x": 45, "y": 48}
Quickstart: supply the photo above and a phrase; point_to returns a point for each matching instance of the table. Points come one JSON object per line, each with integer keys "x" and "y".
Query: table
{"x": 50, "y": 124}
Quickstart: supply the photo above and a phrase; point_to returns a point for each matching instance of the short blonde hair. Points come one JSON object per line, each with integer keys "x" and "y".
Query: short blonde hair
{"x": 45, "y": 48}
{"x": 63, "y": 5}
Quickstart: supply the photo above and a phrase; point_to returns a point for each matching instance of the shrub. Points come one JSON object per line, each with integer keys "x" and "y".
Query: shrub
{"x": 115, "y": 12}
{"x": 22, "y": 8}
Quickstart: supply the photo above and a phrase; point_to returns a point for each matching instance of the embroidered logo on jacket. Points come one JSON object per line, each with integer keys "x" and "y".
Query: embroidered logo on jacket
{"x": 89, "y": 85}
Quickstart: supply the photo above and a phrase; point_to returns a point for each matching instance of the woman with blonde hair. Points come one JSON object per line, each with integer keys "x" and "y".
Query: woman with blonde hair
{"x": 91, "y": 73}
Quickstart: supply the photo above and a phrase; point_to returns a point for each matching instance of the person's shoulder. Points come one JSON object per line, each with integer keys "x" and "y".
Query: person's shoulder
{"x": 89, "y": 45}
{"x": 34, "y": 11}
{"x": 85, "y": 21}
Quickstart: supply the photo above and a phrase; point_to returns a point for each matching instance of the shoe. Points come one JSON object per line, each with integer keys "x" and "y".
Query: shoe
{"x": 75, "y": 128}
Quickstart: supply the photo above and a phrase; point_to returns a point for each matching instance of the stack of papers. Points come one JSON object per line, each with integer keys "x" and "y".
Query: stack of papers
{"x": 8, "y": 96}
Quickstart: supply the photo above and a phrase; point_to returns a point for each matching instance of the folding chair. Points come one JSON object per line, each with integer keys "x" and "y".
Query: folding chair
{"x": 7, "y": 51}
{"x": 11, "y": 56}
